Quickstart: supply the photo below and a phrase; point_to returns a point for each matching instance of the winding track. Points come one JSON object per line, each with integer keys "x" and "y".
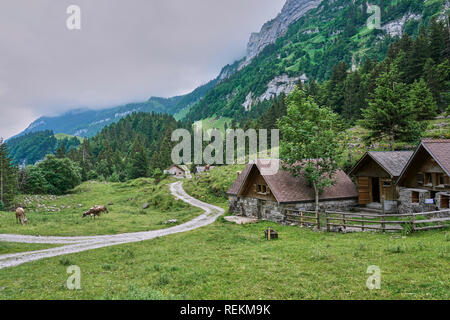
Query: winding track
{"x": 79, "y": 244}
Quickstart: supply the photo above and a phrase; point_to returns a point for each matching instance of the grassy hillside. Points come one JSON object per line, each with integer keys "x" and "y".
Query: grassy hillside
{"x": 336, "y": 31}
{"x": 61, "y": 215}
{"x": 227, "y": 261}
{"x": 220, "y": 261}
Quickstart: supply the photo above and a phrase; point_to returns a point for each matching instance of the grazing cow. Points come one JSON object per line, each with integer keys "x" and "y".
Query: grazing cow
{"x": 21, "y": 217}
{"x": 95, "y": 211}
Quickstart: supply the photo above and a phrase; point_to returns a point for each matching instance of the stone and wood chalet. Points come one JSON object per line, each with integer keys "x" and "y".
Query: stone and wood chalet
{"x": 376, "y": 175}
{"x": 424, "y": 183}
{"x": 266, "y": 197}
{"x": 177, "y": 171}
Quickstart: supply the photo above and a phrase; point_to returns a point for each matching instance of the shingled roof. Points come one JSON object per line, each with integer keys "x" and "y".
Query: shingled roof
{"x": 289, "y": 189}
{"x": 393, "y": 162}
{"x": 440, "y": 151}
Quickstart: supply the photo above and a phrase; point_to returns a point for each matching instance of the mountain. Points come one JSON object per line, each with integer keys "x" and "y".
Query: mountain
{"x": 272, "y": 30}
{"x": 305, "y": 41}
{"x": 87, "y": 123}
{"x": 34, "y": 146}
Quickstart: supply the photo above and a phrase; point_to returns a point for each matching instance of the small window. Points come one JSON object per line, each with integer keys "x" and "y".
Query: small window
{"x": 387, "y": 185}
{"x": 259, "y": 188}
{"x": 415, "y": 197}
{"x": 428, "y": 179}
{"x": 441, "y": 180}
{"x": 420, "y": 178}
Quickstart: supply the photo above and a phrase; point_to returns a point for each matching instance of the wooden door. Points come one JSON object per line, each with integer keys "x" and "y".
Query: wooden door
{"x": 364, "y": 190}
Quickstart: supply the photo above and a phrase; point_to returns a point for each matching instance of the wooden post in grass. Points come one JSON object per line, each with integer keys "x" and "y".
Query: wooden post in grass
{"x": 362, "y": 222}
{"x": 268, "y": 234}
{"x": 413, "y": 220}
{"x": 345, "y": 222}
{"x": 318, "y": 220}
{"x": 383, "y": 224}
{"x": 301, "y": 219}
{"x": 328, "y": 223}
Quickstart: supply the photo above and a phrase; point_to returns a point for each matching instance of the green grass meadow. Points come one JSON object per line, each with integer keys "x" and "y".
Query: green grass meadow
{"x": 228, "y": 261}
{"x": 62, "y": 216}
{"x": 220, "y": 261}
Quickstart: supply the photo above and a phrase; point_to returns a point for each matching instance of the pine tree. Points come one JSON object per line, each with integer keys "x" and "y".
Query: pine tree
{"x": 353, "y": 97}
{"x": 388, "y": 114}
{"x": 421, "y": 101}
{"x": 138, "y": 164}
{"x": 8, "y": 177}
{"x": 61, "y": 151}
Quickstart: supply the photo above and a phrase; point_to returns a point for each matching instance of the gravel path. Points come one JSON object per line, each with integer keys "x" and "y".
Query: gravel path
{"x": 79, "y": 244}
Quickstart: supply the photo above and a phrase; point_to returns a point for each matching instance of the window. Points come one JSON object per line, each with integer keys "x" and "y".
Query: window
{"x": 445, "y": 202}
{"x": 420, "y": 179}
{"x": 428, "y": 179}
{"x": 415, "y": 197}
{"x": 262, "y": 189}
{"x": 441, "y": 180}
{"x": 387, "y": 184}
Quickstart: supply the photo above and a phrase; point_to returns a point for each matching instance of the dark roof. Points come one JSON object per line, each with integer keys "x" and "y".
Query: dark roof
{"x": 440, "y": 151}
{"x": 289, "y": 189}
{"x": 393, "y": 162}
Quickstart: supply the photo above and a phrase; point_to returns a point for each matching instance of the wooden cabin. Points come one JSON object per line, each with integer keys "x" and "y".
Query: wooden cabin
{"x": 177, "y": 171}
{"x": 424, "y": 183}
{"x": 376, "y": 174}
{"x": 266, "y": 197}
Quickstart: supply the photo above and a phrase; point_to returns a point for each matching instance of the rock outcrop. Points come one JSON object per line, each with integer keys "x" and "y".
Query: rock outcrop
{"x": 291, "y": 12}
{"x": 396, "y": 27}
{"x": 275, "y": 87}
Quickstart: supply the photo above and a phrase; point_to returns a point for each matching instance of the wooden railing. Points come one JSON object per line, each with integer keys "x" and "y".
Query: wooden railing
{"x": 362, "y": 221}
{"x": 410, "y": 222}
{"x": 302, "y": 218}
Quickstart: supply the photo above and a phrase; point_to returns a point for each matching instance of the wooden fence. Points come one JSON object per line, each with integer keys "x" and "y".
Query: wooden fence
{"x": 302, "y": 218}
{"x": 347, "y": 221}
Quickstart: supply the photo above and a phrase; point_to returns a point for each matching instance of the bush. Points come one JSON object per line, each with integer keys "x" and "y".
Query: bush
{"x": 2, "y": 206}
{"x": 61, "y": 175}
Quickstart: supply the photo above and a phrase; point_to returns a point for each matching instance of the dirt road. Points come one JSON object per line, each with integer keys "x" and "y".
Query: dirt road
{"x": 79, "y": 244}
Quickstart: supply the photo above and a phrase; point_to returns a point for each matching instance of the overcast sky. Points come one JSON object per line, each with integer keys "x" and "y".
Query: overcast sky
{"x": 126, "y": 51}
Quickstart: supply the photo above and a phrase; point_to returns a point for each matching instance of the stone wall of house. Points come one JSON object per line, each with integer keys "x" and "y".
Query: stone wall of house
{"x": 272, "y": 211}
{"x": 405, "y": 201}
{"x": 438, "y": 199}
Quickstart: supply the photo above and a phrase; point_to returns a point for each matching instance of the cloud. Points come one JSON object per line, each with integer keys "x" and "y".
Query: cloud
{"x": 127, "y": 50}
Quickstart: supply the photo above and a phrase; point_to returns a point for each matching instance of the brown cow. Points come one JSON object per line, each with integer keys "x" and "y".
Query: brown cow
{"x": 95, "y": 211}
{"x": 21, "y": 217}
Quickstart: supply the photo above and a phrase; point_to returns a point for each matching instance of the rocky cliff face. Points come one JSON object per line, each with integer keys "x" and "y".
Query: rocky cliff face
{"x": 291, "y": 12}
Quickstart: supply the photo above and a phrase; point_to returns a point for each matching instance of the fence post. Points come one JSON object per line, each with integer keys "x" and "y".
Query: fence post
{"x": 301, "y": 219}
{"x": 413, "y": 228}
{"x": 328, "y": 223}
{"x": 383, "y": 225}
{"x": 345, "y": 222}
{"x": 318, "y": 220}
{"x": 362, "y": 222}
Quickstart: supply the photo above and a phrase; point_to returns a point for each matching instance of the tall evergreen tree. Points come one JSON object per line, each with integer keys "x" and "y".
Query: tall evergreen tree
{"x": 388, "y": 114}
{"x": 61, "y": 151}
{"x": 8, "y": 177}
{"x": 421, "y": 101}
{"x": 138, "y": 164}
